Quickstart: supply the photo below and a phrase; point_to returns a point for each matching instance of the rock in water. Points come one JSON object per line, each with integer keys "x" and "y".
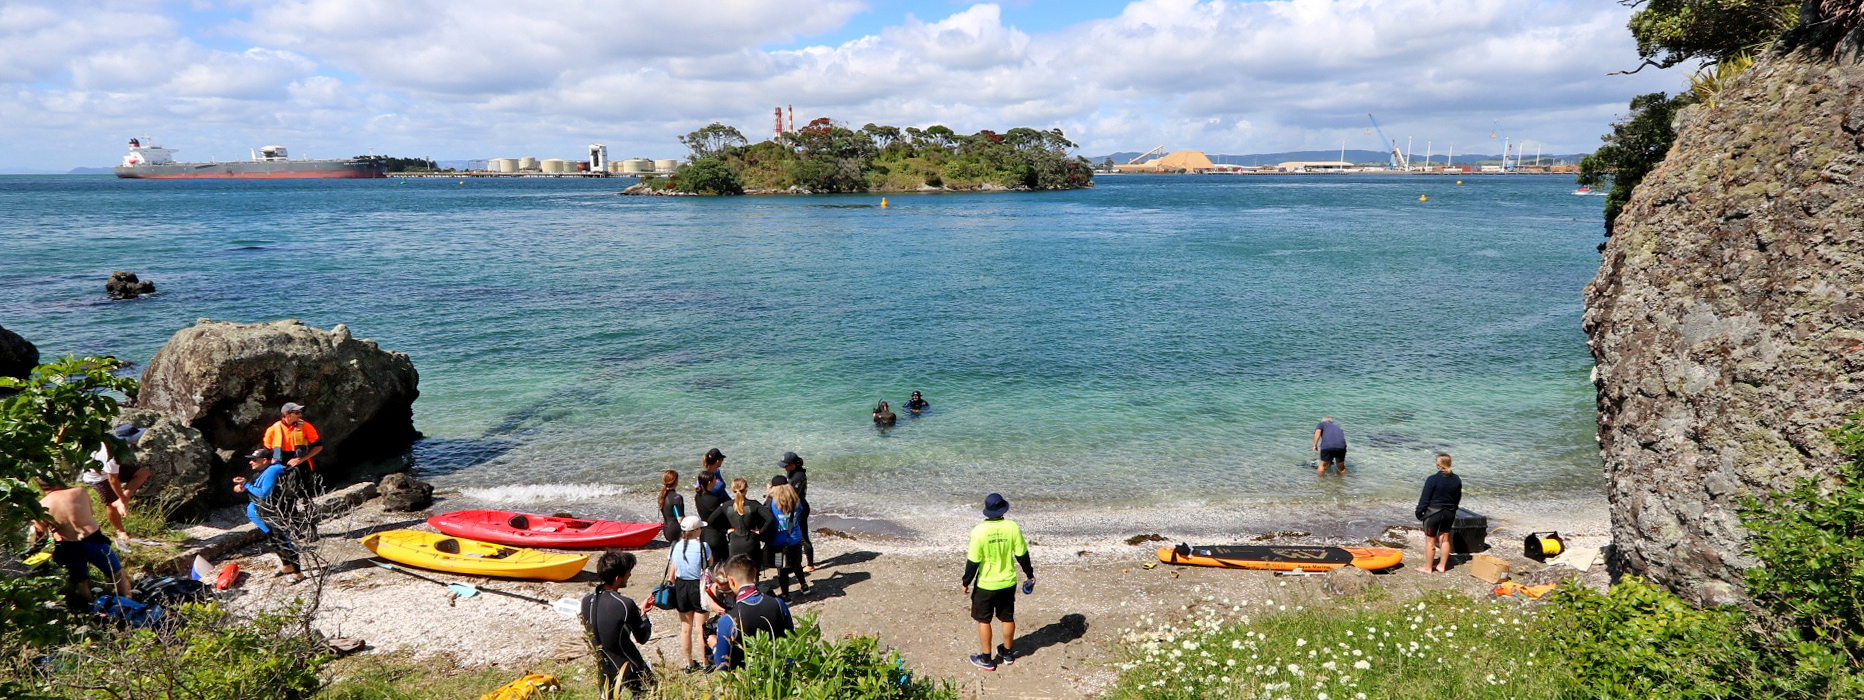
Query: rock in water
{"x": 125, "y": 285}
{"x": 179, "y": 461}
{"x": 228, "y": 380}
{"x": 17, "y": 356}
{"x": 401, "y": 492}
{"x": 1727, "y": 318}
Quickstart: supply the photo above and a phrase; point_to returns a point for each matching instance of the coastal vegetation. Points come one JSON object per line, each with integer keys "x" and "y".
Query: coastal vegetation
{"x": 1721, "y": 36}
{"x": 829, "y": 157}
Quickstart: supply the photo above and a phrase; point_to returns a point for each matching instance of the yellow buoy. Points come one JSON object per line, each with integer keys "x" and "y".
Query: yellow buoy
{"x": 883, "y": 202}
{"x": 1459, "y": 182}
{"x": 1422, "y": 198}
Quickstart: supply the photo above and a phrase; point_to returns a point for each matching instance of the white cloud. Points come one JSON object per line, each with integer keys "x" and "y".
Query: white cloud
{"x": 474, "y": 78}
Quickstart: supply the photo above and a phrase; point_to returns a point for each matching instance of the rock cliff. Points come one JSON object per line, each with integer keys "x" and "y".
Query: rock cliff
{"x": 228, "y": 380}
{"x": 1727, "y": 318}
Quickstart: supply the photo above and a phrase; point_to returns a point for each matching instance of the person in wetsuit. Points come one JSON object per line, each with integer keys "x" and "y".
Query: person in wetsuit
{"x": 786, "y": 512}
{"x": 917, "y": 403}
{"x": 798, "y": 478}
{"x": 615, "y": 624}
{"x": 672, "y": 505}
{"x": 1436, "y": 507}
{"x": 752, "y": 613}
{"x": 883, "y": 416}
{"x": 708, "y": 495}
{"x": 742, "y": 521}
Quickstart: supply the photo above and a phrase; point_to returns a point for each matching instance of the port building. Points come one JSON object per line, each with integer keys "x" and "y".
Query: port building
{"x": 1314, "y": 166}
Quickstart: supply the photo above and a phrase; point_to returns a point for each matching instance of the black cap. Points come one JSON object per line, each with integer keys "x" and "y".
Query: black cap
{"x": 790, "y": 458}
{"x": 714, "y": 454}
{"x": 995, "y": 506}
{"x": 260, "y": 453}
{"x": 779, "y": 480}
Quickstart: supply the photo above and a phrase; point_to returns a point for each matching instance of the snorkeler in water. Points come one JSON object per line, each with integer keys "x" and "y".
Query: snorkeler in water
{"x": 917, "y": 403}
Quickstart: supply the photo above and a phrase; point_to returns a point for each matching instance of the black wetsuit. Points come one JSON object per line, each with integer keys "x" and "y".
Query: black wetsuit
{"x": 756, "y": 614}
{"x": 799, "y": 480}
{"x": 917, "y": 405}
{"x": 615, "y": 624}
{"x": 746, "y": 529}
{"x": 1436, "y": 506}
{"x": 705, "y": 503}
{"x": 670, "y": 514}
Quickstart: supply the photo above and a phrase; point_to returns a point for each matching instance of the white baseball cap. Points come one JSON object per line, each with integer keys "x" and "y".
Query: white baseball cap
{"x": 691, "y": 523}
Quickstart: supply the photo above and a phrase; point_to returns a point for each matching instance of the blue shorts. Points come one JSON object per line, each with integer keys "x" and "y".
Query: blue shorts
{"x": 78, "y": 557}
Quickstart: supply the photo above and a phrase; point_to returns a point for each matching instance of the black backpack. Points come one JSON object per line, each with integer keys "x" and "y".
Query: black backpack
{"x": 169, "y": 591}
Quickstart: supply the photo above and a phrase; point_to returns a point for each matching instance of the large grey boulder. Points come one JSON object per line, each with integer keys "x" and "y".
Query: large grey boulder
{"x": 179, "y": 461}
{"x": 125, "y": 285}
{"x": 17, "y": 356}
{"x": 403, "y": 493}
{"x": 1727, "y": 318}
{"x": 228, "y": 380}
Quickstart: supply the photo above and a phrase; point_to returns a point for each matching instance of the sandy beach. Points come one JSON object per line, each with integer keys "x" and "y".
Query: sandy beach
{"x": 899, "y": 581}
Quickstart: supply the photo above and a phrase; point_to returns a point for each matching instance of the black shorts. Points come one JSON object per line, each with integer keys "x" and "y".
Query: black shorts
{"x": 1439, "y": 523}
{"x": 1336, "y": 455}
{"x": 686, "y": 596}
{"x": 1001, "y": 603}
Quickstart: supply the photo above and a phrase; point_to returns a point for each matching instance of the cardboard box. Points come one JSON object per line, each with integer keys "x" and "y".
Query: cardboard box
{"x": 1488, "y": 568}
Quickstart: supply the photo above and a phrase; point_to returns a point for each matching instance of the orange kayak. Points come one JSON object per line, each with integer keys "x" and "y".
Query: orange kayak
{"x": 1281, "y": 558}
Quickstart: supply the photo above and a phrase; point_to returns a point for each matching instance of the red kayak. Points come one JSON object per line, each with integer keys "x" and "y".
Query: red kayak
{"x": 526, "y": 530}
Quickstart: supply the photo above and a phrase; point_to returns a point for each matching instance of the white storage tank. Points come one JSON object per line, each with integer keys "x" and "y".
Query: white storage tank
{"x": 666, "y": 165}
{"x": 504, "y": 165}
{"x": 527, "y": 163}
{"x": 555, "y": 165}
{"x": 637, "y": 165}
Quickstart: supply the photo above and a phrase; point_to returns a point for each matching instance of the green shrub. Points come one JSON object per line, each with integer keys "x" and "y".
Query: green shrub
{"x": 708, "y": 175}
{"x": 208, "y": 655}
{"x": 1440, "y": 646}
{"x": 803, "y": 665}
{"x": 1639, "y": 640}
{"x": 1810, "y": 543}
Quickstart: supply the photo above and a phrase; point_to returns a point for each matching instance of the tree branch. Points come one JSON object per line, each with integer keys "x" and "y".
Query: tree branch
{"x": 1647, "y": 63}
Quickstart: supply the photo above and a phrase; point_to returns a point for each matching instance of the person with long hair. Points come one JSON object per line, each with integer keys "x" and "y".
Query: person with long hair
{"x": 883, "y": 416}
{"x": 787, "y": 514}
{"x": 713, "y": 461}
{"x": 708, "y": 495}
{"x": 742, "y": 521}
{"x": 687, "y": 561}
{"x": 672, "y": 505}
{"x": 1436, "y": 506}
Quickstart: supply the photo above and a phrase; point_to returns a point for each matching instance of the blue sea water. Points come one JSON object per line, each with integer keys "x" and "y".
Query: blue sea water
{"x": 1154, "y": 339}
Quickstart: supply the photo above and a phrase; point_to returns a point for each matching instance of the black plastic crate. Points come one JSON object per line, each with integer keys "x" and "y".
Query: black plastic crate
{"x": 1470, "y": 533}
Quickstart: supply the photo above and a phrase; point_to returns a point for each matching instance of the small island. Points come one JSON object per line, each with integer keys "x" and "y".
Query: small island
{"x": 826, "y": 157}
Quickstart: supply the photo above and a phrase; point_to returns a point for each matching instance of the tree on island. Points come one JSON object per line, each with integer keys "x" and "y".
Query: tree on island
{"x": 827, "y": 156}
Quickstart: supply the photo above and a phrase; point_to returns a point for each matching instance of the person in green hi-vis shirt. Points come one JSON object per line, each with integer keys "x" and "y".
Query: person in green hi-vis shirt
{"x": 990, "y": 579}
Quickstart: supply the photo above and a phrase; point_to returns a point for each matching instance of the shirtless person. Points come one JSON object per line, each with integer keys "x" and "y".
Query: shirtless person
{"x": 77, "y": 543}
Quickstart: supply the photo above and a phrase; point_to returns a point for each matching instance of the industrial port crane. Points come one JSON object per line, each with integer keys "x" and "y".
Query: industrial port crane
{"x": 1142, "y": 156}
{"x": 1398, "y": 159}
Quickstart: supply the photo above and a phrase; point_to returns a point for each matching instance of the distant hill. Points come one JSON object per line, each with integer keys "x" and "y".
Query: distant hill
{"x": 1352, "y": 156}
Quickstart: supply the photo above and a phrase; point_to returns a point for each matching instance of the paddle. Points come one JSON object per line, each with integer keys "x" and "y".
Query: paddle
{"x": 464, "y": 590}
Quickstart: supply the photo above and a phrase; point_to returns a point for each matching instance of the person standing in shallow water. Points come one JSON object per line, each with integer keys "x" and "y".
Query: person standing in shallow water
{"x": 1330, "y": 442}
{"x": 1436, "y": 507}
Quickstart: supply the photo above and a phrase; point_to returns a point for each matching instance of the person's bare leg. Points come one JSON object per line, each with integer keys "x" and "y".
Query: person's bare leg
{"x": 1009, "y": 635}
{"x": 114, "y": 512}
{"x": 1443, "y": 549}
{"x": 1430, "y": 553}
{"x": 122, "y": 582}
{"x": 983, "y": 638}
{"x": 1320, "y": 468}
{"x": 686, "y": 637}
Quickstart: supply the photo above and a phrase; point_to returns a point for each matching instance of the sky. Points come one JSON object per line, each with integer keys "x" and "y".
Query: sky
{"x": 470, "y": 79}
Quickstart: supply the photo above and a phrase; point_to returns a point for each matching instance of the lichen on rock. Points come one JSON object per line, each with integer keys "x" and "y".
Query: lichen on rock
{"x": 1727, "y": 317}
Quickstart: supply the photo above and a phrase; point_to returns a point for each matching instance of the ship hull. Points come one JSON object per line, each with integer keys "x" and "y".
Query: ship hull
{"x": 279, "y": 170}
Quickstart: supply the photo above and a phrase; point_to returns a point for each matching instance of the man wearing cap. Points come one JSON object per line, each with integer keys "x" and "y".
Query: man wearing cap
{"x": 293, "y": 440}
{"x": 118, "y": 482}
{"x": 990, "y": 579}
{"x": 263, "y": 509}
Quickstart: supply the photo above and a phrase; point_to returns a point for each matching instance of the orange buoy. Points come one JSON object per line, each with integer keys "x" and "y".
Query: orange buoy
{"x": 883, "y": 202}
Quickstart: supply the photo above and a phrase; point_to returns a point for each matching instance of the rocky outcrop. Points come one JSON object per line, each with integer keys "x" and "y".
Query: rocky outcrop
{"x": 125, "y": 285}
{"x": 1727, "y": 318}
{"x": 17, "y": 356}
{"x": 403, "y": 493}
{"x": 228, "y": 380}
{"x": 177, "y": 457}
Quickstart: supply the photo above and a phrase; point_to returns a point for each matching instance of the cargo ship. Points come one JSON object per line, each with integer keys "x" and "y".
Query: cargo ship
{"x": 153, "y": 161}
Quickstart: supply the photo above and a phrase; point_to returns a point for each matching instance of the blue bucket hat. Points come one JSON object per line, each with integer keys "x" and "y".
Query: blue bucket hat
{"x": 128, "y": 433}
{"x": 995, "y": 506}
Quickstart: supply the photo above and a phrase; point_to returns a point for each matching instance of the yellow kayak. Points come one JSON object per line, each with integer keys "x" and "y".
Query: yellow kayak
{"x": 430, "y": 550}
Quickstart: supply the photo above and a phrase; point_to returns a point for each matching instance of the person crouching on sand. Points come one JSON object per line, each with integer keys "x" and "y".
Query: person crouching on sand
{"x": 1436, "y": 506}
{"x": 990, "y": 579}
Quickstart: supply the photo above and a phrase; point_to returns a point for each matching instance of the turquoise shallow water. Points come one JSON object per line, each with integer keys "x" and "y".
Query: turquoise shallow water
{"x": 1154, "y": 339}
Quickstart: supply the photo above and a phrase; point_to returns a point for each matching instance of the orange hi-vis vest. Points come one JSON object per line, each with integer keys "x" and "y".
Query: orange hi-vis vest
{"x": 291, "y": 438}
